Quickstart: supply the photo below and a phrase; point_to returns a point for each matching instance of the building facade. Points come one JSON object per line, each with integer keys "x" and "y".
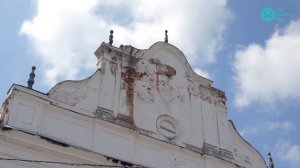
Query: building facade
{"x": 141, "y": 108}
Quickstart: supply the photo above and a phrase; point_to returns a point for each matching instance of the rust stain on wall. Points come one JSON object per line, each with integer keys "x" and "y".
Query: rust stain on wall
{"x": 157, "y": 77}
{"x": 162, "y": 69}
{"x": 129, "y": 76}
{"x": 170, "y": 71}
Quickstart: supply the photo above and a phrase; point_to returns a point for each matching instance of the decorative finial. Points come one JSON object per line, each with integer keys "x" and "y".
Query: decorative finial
{"x": 271, "y": 164}
{"x": 111, "y": 37}
{"x": 30, "y": 81}
{"x": 166, "y": 36}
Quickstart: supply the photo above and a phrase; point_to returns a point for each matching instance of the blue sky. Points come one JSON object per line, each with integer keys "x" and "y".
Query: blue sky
{"x": 253, "y": 61}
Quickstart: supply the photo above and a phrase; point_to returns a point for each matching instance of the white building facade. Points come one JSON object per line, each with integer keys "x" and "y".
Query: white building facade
{"x": 141, "y": 108}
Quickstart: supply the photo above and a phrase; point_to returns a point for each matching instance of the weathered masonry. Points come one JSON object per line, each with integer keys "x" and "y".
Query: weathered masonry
{"x": 141, "y": 108}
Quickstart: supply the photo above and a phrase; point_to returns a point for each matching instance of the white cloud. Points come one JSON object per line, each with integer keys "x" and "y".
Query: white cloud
{"x": 287, "y": 151}
{"x": 269, "y": 73}
{"x": 285, "y": 125}
{"x": 202, "y": 73}
{"x": 64, "y": 33}
{"x": 265, "y": 126}
{"x": 248, "y": 131}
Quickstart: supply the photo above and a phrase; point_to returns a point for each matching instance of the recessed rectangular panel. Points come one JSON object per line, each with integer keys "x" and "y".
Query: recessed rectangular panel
{"x": 211, "y": 132}
{"x": 225, "y": 135}
{"x": 25, "y": 114}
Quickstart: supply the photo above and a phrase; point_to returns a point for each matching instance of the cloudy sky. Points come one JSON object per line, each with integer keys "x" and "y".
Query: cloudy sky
{"x": 254, "y": 61}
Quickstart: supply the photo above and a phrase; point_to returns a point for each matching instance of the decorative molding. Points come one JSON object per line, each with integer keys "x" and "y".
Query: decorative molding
{"x": 125, "y": 121}
{"x": 104, "y": 114}
{"x": 193, "y": 148}
{"x": 224, "y": 153}
{"x": 217, "y": 152}
{"x": 211, "y": 150}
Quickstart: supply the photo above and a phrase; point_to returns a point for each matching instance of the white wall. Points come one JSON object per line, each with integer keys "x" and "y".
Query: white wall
{"x": 152, "y": 109}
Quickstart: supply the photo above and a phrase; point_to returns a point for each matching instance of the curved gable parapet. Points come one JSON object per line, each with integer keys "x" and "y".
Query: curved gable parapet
{"x": 77, "y": 93}
{"x": 129, "y": 80}
{"x": 160, "y": 47}
{"x": 244, "y": 152}
{"x": 155, "y": 92}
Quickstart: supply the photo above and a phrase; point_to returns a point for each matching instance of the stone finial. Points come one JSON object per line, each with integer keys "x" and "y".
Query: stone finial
{"x": 166, "y": 36}
{"x": 111, "y": 37}
{"x": 271, "y": 164}
{"x": 30, "y": 81}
